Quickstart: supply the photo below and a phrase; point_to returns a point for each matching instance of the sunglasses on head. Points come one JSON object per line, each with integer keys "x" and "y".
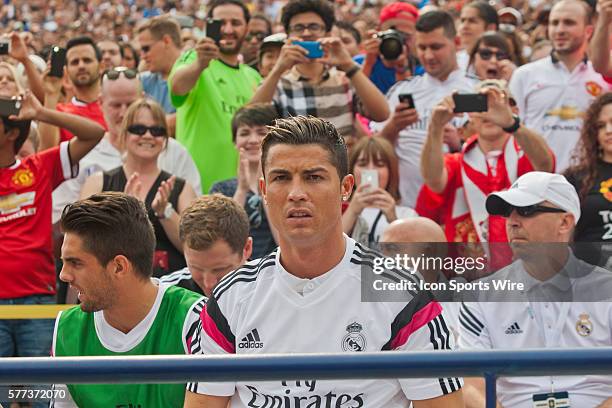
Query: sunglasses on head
{"x": 114, "y": 73}
{"x": 486, "y": 54}
{"x": 140, "y": 130}
{"x": 530, "y": 210}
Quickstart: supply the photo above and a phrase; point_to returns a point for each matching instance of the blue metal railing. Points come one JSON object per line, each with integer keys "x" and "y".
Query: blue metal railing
{"x": 168, "y": 369}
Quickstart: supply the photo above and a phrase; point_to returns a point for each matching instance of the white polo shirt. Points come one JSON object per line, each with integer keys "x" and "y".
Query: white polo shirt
{"x": 175, "y": 159}
{"x": 427, "y": 92}
{"x": 524, "y": 325}
{"x": 261, "y": 308}
{"x": 551, "y": 101}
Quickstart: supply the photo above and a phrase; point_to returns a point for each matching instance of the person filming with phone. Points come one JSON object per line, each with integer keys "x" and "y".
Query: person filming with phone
{"x": 315, "y": 75}
{"x": 374, "y": 202}
{"x": 491, "y": 160}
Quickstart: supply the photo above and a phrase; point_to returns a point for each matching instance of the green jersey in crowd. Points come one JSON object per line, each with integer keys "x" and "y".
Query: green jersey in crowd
{"x": 168, "y": 328}
{"x": 204, "y": 115}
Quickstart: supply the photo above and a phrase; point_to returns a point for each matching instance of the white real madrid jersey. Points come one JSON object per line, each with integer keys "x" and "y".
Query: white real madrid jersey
{"x": 427, "y": 92}
{"x": 552, "y": 101}
{"x": 261, "y": 308}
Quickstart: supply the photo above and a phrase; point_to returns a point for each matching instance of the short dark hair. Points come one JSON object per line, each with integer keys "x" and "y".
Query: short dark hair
{"x": 83, "y": 40}
{"x": 435, "y": 19}
{"x": 346, "y": 26}
{"x": 255, "y": 114}
{"x": 486, "y": 12}
{"x": 216, "y": 3}
{"x": 302, "y": 130}
{"x": 159, "y": 26}
{"x": 322, "y": 8}
{"x": 262, "y": 17}
{"x": 112, "y": 224}
{"x": 24, "y": 130}
{"x": 211, "y": 218}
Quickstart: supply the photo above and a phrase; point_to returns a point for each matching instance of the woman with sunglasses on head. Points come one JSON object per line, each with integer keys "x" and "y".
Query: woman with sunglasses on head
{"x": 143, "y": 137}
{"x": 491, "y": 58}
{"x": 374, "y": 202}
{"x": 591, "y": 173}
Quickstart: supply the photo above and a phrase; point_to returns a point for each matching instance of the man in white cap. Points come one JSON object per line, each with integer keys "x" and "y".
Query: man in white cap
{"x": 542, "y": 208}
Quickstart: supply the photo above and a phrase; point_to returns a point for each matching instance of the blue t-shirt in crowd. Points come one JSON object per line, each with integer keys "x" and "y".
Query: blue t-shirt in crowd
{"x": 381, "y": 76}
{"x": 157, "y": 88}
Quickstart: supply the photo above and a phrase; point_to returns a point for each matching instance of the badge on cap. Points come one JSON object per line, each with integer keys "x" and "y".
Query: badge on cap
{"x": 584, "y": 327}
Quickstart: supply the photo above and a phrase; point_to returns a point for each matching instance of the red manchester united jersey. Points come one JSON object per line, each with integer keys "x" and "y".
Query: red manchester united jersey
{"x": 26, "y": 255}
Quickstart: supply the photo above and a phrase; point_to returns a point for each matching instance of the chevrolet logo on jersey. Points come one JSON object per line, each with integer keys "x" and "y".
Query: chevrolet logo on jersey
{"x": 15, "y": 202}
{"x": 565, "y": 112}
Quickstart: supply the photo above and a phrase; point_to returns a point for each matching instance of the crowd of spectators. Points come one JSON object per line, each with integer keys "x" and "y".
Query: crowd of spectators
{"x": 150, "y": 105}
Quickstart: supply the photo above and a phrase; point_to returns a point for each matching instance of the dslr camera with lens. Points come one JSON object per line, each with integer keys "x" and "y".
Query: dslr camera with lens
{"x": 391, "y": 43}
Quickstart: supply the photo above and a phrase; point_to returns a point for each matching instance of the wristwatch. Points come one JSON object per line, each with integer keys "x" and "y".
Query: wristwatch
{"x": 167, "y": 212}
{"x": 515, "y": 126}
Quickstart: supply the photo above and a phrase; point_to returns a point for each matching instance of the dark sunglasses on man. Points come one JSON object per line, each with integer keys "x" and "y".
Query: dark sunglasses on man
{"x": 140, "y": 130}
{"x": 114, "y": 73}
{"x": 528, "y": 210}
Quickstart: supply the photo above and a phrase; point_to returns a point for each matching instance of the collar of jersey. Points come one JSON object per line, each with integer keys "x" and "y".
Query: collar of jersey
{"x": 555, "y": 60}
{"x": 451, "y": 77}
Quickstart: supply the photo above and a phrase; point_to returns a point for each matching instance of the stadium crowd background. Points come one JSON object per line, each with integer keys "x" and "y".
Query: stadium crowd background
{"x": 199, "y": 125}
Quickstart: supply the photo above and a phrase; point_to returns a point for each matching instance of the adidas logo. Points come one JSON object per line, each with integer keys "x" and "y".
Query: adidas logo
{"x": 514, "y": 329}
{"x": 251, "y": 341}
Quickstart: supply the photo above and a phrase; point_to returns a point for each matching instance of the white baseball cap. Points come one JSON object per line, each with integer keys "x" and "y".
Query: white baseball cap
{"x": 534, "y": 188}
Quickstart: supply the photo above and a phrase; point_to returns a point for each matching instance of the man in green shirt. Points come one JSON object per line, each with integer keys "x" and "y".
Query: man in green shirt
{"x": 207, "y": 86}
{"x": 108, "y": 256}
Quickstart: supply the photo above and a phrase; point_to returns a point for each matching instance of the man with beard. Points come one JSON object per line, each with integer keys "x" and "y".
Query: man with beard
{"x": 123, "y": 312}
{"x": 207, "y": 86}
{"x": 553, "y": 93}
{"x": 83, "y": 67}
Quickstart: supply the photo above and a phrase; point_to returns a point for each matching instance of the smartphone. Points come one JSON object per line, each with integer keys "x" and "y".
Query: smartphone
{"x": 58, "y": 60}
{"x": 5, "y": 47}
{"x": 313, "y": 47}
{"x": 470, "y": 102}
{"x": 213, "y": 29}
{"x": 9, "y": 107}
{"x": 407, "y": 99}
{"x": 370, "y": 177}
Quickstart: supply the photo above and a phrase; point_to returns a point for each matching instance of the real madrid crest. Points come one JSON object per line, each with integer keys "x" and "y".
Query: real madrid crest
{"x": 354, "y": 340}
{"x": 584, "y": 327}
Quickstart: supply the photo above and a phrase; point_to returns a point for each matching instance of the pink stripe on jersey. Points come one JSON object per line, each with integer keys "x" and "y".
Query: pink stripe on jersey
{"x": 210, "y": 327}
{"x": 420, "y": 319}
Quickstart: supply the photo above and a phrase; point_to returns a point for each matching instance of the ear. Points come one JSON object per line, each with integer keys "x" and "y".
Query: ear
{"x": 262, "y": 188}
{"x": 248, "y": 249}
{"x": 490, "y": 27}
{"x": 12, "y": 134}
{"x": 567, "y": 224}
{"x": 348, "y": 182}
{"x": 457, "y": 41}
{"x": 120, "y": 267}
{"x": 588, "y": 30}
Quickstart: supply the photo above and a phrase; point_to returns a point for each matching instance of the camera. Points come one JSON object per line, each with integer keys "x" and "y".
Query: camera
{"x": 391, "y": 43}
{"x": 5, "y": 47}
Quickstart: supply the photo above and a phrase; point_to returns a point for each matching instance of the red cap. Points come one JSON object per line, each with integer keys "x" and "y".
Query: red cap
{"x": 399, "y": 10}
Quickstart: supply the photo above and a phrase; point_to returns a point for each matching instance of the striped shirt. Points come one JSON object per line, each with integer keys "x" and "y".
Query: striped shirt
{"x": 333, "y": 98}
{"x": 262, "y": 308}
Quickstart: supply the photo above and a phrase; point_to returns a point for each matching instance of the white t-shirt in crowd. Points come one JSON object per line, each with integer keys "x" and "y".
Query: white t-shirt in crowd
{"x": 262, "y": 308}
{"x": 552, "y": 100}
{"x": 175, "y": 159}
{"x": 427, "y": 92}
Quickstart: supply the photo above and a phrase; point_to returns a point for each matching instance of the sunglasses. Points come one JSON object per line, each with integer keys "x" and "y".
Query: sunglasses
{"x": 140, "y": 130}
{"x": 114, "y": 73}
{"x": 530, "y": 210}
{"x": 259, "y": 35}
{"x": 486, "y": 54}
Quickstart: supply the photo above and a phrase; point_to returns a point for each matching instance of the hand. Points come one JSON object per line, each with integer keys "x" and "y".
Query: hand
{"x": 52, "y": 85}
{"x": 402, "y": 117}
{"x": 335, "y": 54}
{"x": 290, "y": 56}
{"x": 360, "y": 199}
{"x": 243, "y": 172}
{"x": 371, "y": 45}
{"x": 207, "y": 51}
{"x": 133, "y": 186}
{"x": 506, "y": 69}
{"x": 162, "y": 196}
{"x": 443, "y": 112}
{"x": 19, "y": 50}
{"x": 385, "y": 202}
{"x": 604, "y": 7}
{"x": 30, "y": 107}
{"x": 499, "y": 110}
